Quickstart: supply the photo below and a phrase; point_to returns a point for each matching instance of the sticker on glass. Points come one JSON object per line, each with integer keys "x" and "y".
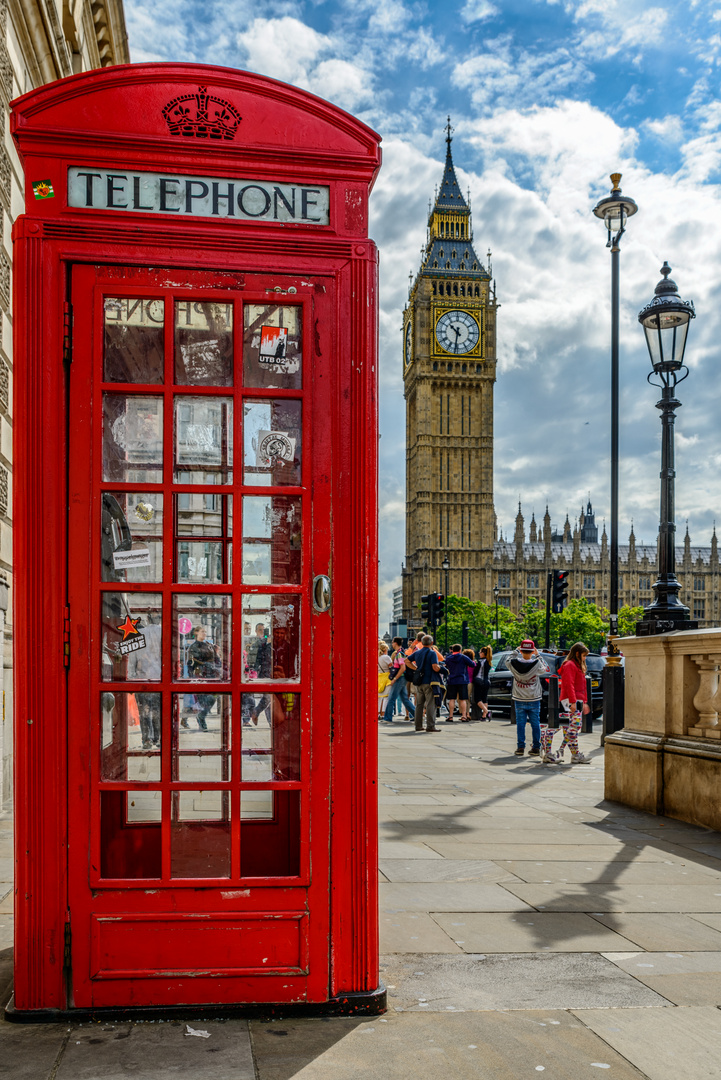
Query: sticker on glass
{"x": 124, "y": 559}
{"x": 274, "y": 446}
{"x": 273, "y": 345}
{"x": 133, "y": 639}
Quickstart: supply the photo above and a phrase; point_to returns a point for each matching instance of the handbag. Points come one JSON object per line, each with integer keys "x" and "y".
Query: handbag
{"x": 383, "y": 680}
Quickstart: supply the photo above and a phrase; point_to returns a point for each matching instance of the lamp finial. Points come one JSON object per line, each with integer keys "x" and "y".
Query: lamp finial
{"x": 616, "y": 181}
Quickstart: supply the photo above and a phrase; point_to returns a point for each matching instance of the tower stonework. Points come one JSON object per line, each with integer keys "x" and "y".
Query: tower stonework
{"x": 449, "y": 371}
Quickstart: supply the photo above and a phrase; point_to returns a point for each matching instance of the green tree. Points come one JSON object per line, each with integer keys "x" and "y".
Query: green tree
{"x": 627, "y": 619}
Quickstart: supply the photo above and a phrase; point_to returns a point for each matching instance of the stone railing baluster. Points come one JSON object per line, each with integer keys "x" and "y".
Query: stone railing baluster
{"x": 707, "y": 700}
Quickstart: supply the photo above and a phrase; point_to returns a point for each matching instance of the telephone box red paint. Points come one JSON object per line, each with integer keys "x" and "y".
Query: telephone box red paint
{"x": 195, "y": 455}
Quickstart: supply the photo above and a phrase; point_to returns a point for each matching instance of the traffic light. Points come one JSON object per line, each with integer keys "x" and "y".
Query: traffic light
{"x": 558, "y": 590}
{"x": 439, "y": 606}
{"x": 427, "y": 607}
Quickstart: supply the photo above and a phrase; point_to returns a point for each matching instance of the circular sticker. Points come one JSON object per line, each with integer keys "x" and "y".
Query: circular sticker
{"x": 276, "y": 446}
{"x": 184, "y": 625}
{"x": 144, "y": 511}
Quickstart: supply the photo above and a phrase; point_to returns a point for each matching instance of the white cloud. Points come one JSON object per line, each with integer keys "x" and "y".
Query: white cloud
{"x": 478, "y": 11}
{"x": 503, "y": 73}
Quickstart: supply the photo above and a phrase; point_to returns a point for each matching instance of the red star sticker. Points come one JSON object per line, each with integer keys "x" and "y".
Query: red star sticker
{"x": 129, "y": 627}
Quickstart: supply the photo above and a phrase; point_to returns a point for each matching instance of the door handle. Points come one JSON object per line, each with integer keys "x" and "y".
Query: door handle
{"x": 321, "y": 592}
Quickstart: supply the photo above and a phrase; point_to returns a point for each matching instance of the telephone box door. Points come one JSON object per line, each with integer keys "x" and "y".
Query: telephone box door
{"x": 199, "y": 697}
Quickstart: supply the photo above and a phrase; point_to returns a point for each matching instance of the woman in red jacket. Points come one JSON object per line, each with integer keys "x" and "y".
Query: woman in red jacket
{"x": 573, "y": 698}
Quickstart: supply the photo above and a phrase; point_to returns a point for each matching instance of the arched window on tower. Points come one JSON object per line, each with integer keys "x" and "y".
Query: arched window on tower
{"x": 463, "y": 288}
{"x": 463, "y": 369}
{"x": 478, "y": 369}
{"x": 475, "y": 266}
{"x": 442, "y": 253}
{"x": 477, "y": 291}
{"x": 435, "y": 264}
{"x": 455, "y": 288}
{"x": 453, "y": 254}
{"x": 448, "y": 266}
{"x": 435, "y": 365}
{"x": 463, "y": 266}
{"x": 434, "y": 288}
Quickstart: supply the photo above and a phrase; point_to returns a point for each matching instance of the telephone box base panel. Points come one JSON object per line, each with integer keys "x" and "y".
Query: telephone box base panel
{"x": 355, "y": 1003}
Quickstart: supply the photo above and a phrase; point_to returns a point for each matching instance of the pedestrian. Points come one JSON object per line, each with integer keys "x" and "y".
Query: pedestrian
{"x": 574, "y": 702}
{"x": 398, "y": 685}
{"x": 480, "y": 684}
{"x": 384, "y": 667}
{"x": 460, "y": 669}
{"x": 204, "y": 663}
{"x": 526, "y": 666}
{"x": 425, "y": 663}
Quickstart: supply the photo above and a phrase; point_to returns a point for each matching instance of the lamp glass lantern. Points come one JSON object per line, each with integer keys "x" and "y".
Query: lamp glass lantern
{"x": 445, "y": 565}
{"x": 665, "y": 322}
{"x": 615, "y": 210}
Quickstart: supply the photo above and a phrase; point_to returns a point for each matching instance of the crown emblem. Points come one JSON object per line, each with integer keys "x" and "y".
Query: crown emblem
{"x": 201, "y": 116}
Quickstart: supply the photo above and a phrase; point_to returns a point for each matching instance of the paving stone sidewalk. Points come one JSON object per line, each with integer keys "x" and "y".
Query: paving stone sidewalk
{"x": 538, "y": 928}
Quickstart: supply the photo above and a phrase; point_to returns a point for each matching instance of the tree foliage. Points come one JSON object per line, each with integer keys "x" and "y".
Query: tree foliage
{"x": 580, "y": 620}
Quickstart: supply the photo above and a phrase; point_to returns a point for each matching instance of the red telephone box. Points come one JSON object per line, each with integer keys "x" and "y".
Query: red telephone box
{"x": 195, "y": 546}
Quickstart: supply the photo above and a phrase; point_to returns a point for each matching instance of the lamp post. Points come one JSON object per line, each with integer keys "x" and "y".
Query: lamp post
{"x": 496, "y": 591}
{"x": 614, "y": 211}
{"x": 445, "y": 565}
{"x": 665, "y": 322}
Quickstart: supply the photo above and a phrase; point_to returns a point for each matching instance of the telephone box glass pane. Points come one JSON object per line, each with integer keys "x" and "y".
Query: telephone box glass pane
{"x": 200, "y": 834}
{"x": 131, "y": 634}
{"x": 203, "y": 440}
{"x": 132, "y": 438}
{"x": 134, "y": 340}
{"x": 201, "y": 637}
{"x": 203, "y": 343}
{"x": 204, "y": 513}
{"x": 132, "y": 536}
{"x": 271, "y": 737}
{"x": 271, "y": 540}
{"x": 271, "y": 636}
{"x": 270, "y": 833}
{"x": 130, "y": 844}
{"x": 272, "y": 438}
{"x": 201, "y": 737}
{"x": 202, "y": 516}
{"x": 272, "y": 346}
{"x": 131, "y": 732}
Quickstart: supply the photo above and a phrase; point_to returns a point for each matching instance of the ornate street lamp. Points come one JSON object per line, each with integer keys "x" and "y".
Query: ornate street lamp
{"x": 445, "y": 565}
{"x": 665, "y": 322}
{"x": 614, "y": 211}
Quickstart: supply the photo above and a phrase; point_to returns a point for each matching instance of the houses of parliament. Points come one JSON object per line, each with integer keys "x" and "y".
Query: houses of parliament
{"x": 449, "y": 374}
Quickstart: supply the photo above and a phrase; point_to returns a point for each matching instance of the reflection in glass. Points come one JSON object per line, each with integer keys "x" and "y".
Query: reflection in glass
{"x": 203, "y": 343}
{"x": 272, "y": 345}
{"x": 132, "y": 438}
{"x": 200, "y": 834}
{"x": 271, "y": 636}
{"x": 131, "y": 725}
{"x": 203, "y": 516}
{"x": 272, "y": 442}
{"x": 201, "y": 737}
{"x": 201, "y": 636}
{"x": 130, "y": 834}
{"x": 132, "y": 536}
{"x": 270, "y": 833}
{"x": 271, "y": 540}
{"x": 134, "y": 340}
{"x": 131, "y": 634}
{"x": 203, "y": 440}
{"x": 271, "y": 737}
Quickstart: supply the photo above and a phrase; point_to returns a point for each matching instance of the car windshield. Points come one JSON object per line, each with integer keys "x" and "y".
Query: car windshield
{"x": 595, "y": 663}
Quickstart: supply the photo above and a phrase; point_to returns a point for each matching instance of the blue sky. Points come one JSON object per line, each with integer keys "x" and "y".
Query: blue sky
{"x": 547, "y": 98}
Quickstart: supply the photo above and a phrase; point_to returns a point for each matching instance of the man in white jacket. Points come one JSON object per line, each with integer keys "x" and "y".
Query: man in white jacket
{"x": 527, "y": 665}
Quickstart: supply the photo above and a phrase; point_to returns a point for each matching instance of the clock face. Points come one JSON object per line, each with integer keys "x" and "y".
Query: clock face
{"x": 408, "y": 345}
{"x": 457, "y": 332}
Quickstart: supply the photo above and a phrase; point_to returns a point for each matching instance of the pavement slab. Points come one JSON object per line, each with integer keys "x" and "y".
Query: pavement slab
{"x": 668, "y": 1044}
{"x": 511, "y": 981}
{"x": 530, "y": 932}
{"x": 613, "y": 897}
{"x": 447, "y": 896}
{"x": 458, "y": 849}
{"x": 659, "y": 932}
{"x": 31, "y": 1051}
{"x": 412, "y": 932}
{"x": 161, "y": 1050}
{"x": 395, "y": 849}
{"x": 623, "y": 873}
{"x": 460, "y": 1046}
{"x": 445, "y": 870}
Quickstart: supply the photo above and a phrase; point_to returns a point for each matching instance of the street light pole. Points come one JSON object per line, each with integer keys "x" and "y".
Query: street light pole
{"x": 496, "y": 591}
{"x": 665, "y": 321}
{"x": 445, "y": 565}
{"x": 614, "y": 211}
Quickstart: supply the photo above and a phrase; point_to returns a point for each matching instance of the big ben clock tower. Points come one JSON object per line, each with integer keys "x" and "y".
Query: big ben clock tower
{"x": 449, "y": 369}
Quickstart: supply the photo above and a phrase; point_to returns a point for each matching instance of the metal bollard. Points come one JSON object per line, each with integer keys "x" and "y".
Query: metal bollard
{"x": 613, "y": 699}
{"x": 553, "y": 719}
{"x": 587, "y": 723}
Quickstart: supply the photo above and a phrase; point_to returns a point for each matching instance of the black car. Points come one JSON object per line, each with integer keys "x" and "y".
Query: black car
{"x": 501, "y": 684}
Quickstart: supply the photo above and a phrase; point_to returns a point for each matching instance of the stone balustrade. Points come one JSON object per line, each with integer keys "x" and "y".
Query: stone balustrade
{"x": 667, "y": 759}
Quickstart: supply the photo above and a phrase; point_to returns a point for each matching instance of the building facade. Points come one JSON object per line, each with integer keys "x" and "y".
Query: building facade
{"x": 40, "y": 41}
{"x": 449, "y": 371}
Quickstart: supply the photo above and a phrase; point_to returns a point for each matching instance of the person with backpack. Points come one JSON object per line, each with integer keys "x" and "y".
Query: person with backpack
{"x": 398, "y": 684}
{"x": 526, "y": 665}
{"x": 574, "y": 703}
{"x": 424, "y": 666}
{"x": 460, "y": 668}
